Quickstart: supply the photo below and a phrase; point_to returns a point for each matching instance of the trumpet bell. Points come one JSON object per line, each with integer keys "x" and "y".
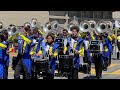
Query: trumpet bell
{"x": 84, "y": 26}
{"x": 101, "y": 27}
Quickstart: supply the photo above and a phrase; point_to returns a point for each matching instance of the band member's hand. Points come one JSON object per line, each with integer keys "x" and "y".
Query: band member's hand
{"x": 38, "y": 54}
{"x": 64, "y": 52}
{"x": 76, "y": 52}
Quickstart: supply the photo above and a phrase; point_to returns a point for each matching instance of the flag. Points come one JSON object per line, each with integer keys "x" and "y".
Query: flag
{"x": 117, "y": 23}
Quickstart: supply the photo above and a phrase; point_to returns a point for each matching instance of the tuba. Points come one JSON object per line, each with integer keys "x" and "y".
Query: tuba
{"x": 92, "y": 24}
{"x": 51, "y": 27}
{"x": 71, "y": 24}
{"x": 35, "y": 24}
{"x": 27, "y": 25}
{"x": 110, "y": 27}
{"x": 85, "y": 26}
{"x": 1, "y": 26}
{"x": 12, "y": 30}
{"x": 101, "y": 27}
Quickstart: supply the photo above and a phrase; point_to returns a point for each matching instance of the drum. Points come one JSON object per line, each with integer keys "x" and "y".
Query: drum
{"x": 66, "y": 61}
{"x": 41, "y": 65}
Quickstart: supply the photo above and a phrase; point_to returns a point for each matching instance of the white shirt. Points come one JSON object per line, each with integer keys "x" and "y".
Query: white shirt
{"x": 47, "y": 48}
{"x": 86, "y": 42}
{"x": 71, "y": 43}
{"x": 101, "y": 47}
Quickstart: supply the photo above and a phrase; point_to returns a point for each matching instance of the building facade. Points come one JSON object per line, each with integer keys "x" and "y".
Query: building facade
{"x": 63, "y": 17}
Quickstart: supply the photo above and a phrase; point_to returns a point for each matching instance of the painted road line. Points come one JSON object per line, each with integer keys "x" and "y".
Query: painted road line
{"x": 112, "y": 65}
{"x": 117, "y": 72}
{"x": 10, "y": 72}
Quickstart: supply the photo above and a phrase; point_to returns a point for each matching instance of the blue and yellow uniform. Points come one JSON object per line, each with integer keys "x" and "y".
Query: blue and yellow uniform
{"x": 2, "y": 56}
{"x": 50, "y": 50}
{"x": 77, "y": 45}
{"x": 108, "y": 51}
{"x": 26, "y": 60}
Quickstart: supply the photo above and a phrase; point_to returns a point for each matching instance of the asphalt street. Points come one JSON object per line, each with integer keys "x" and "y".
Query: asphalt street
{"x": 113, "y": 71}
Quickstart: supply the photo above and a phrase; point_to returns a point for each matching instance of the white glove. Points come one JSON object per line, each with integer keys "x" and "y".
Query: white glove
{"x": 34, "y": 41}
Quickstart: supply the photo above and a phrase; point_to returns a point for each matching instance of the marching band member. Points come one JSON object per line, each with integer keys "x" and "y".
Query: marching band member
{"x": 118, "y": 45}
{"x": 51, "y": 47}
{"x": 38, "y": 38}
{"x": 4, "y": 55}
{"x": 87, "y": 53}
{"x": 98, "y": 59}
{"x": 2, "y": 48}
{"x": 65, "y": 33}
{"x": 75, "y": 44}
{"x": 25, "y": 62}
{"x": 107, "y": 54}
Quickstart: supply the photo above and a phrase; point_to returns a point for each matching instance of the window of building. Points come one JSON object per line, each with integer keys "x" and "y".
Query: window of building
{"x": 83, "y": 14}
{"x": 89, "y": 14}
{"x": 107, "y": 14}
{"x": 74, "y": 13}
{"x": 98, "y": 14}
{"x": 60, "y": 21}
{"x": 57, "y": 13}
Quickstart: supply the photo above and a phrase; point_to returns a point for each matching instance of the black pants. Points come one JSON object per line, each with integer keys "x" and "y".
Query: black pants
{"x": 20, "y": 67}
{"x": 48, "y": 76}
{"x": 98, "y": 65}
{"x": 6, "y": 72}
{"x": 109, "y": 60}
{"x": 118, "y": 55}
{"x": 73, "y": 74}
{"x": 118, "y": 45}
{"x": 86, "y": 60}
{"x": 105, "y": 64}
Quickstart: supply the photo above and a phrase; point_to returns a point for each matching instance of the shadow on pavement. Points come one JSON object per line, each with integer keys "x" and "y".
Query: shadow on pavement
{"x": 89, "y": 77}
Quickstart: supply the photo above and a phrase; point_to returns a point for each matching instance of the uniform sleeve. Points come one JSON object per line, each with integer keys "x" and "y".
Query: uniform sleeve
{"x": 65, "y": 46}
{"x": 110, "y": 38}
{"x": 24, "y": 38}
{"x": 55, "y": 54}
{"x": 81, "y": 51}
{"x": 93, "y": 38}
{"x": 3, "y": 46}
